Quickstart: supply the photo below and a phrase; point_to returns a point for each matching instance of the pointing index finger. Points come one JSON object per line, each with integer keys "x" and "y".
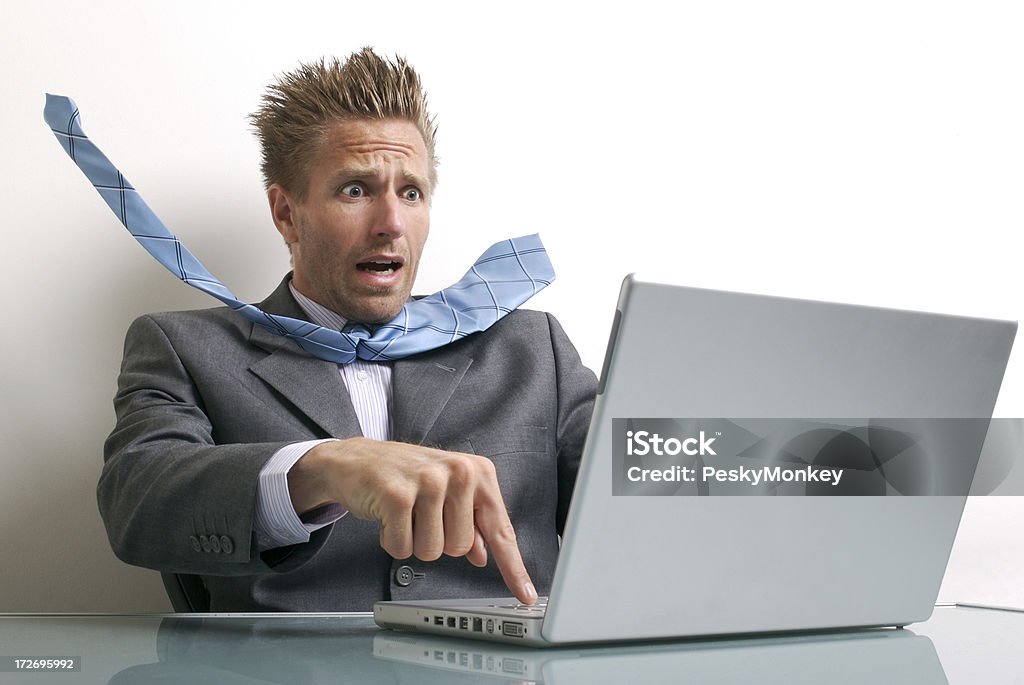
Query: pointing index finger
{"x": 500, "y": 537}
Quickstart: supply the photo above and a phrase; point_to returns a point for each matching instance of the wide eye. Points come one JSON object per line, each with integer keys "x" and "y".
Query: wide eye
{"x": 352, "y": 190}
{"x": 412, "y": 194}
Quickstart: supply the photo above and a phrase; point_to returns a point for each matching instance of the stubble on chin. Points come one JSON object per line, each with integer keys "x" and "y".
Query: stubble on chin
{"x": 372, "y": 306}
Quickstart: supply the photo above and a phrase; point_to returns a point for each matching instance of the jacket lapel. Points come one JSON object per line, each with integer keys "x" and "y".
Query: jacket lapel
{"x": 313, "y": 385}
{"x": 422, "y": 387}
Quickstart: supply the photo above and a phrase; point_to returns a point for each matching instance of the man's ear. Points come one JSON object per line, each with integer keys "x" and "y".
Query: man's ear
{"x": 282, "y": 209}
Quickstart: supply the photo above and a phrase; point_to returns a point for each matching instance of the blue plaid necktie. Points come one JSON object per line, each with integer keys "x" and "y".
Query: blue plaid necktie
{"x": 505, "y": 276}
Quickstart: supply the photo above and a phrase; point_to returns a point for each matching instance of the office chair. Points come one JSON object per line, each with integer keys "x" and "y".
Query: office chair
{"x": 187, "y": 593}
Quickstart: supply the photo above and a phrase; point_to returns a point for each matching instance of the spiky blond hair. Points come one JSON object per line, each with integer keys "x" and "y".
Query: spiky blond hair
{"x": 298, "y": 109}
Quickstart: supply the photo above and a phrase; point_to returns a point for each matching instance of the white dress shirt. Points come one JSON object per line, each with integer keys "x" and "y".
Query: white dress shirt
{"x": 369, "y": 388}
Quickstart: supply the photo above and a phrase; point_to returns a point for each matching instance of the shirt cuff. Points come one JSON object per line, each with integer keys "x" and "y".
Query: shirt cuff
{"x": 277, "y": 524}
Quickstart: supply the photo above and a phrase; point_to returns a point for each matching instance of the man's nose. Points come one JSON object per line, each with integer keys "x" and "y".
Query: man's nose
{"x": 389, "y": 221}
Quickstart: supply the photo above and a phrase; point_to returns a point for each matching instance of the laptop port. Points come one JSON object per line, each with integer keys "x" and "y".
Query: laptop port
{"x": 439, "y": 620}
{"x": 463, "y": 623}
{"x": 451, "y": 621}
{"x": 478, "y": 625}
{"x": 512, "y": 629}
{"x": 490, "y": 625}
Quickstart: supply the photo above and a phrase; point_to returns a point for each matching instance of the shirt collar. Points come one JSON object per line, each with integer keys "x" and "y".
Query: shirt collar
{"x": 316, "y": 312}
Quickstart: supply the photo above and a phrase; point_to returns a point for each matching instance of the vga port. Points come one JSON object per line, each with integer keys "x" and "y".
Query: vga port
{"x": 512, "y": 629}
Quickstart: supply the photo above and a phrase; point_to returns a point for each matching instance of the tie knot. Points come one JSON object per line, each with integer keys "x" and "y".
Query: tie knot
{"x": 357, "y": 331}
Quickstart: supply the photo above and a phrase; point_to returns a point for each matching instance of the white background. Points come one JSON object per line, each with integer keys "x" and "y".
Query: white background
{"x": 866, "y": 152}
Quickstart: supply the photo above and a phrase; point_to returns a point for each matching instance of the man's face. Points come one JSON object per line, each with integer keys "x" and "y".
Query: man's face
{"x": 357, "y": 236}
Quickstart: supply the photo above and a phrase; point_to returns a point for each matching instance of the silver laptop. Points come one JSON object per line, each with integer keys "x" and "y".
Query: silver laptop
{"x": 640, "y": 564}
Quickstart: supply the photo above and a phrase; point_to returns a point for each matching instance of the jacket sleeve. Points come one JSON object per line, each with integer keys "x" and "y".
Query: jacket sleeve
{"x": 171, "y": 498}
{"x": 577, "y": 388}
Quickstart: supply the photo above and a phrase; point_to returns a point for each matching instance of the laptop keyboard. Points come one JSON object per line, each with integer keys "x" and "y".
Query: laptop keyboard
{"x": 537, "y": 609}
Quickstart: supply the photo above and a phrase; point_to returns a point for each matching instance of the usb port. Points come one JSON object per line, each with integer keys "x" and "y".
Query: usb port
{"x": 451, "y": 621}
{"x": 439, "y": 620}
{"x": 463, "y": 623}
{"x": 512, "y": 629}
{"x": 478, "y": 625}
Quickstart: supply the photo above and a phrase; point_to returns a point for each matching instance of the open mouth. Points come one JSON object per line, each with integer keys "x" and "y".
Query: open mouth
{"x": 383, "y": 266}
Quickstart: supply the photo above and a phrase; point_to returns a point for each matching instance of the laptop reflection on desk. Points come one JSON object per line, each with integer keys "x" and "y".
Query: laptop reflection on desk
{"x": 859, "y": 658}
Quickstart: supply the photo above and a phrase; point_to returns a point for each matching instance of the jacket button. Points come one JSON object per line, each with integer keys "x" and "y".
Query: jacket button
{"x": 226, "y": 545}
{"x": 205, "y": 542}
{"x": 404, "y": 575}
{"x": 194, "y": 541}
{"x": 215, "y": 544}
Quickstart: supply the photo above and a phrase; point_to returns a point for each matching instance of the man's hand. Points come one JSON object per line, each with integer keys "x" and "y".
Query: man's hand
{"x": 428, "y": 501}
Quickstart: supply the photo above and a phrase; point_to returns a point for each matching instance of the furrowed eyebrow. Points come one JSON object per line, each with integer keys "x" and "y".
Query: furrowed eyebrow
{"x": 372, "y": 173}
{"x": 418, "y": 181}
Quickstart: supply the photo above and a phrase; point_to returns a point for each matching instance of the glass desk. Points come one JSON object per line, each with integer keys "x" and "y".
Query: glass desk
{"x": 957, "y": 645}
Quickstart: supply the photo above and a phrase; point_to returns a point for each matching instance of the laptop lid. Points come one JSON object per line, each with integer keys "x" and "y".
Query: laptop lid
{"x": 639, "y": 567}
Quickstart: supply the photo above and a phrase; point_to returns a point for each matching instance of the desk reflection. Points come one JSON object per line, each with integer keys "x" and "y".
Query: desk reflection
{"x": 327, "y": 649}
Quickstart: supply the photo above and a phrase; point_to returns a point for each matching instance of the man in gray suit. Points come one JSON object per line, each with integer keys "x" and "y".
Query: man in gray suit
{"x": 291, "y": 483}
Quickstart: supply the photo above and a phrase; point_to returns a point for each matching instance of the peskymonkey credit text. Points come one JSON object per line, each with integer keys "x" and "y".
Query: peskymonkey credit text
{"x": 743, "y": 474}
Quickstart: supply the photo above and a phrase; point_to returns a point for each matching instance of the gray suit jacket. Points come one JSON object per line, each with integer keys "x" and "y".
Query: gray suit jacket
{"x": 205, "y": 398}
